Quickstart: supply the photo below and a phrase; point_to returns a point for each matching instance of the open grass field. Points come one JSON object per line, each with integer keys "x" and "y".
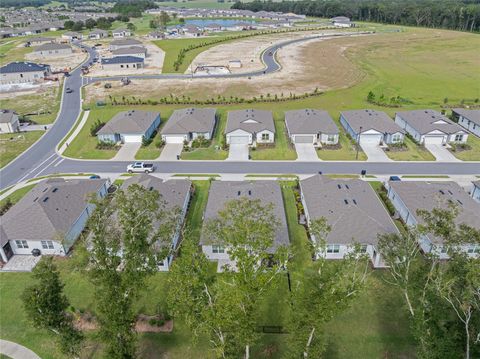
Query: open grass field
{"x": 13, "y": 144}
{"x": 374, "y": 327}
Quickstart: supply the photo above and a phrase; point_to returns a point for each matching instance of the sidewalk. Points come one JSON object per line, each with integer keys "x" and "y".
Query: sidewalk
{"x": 75, "y": 132}
{"x": 16, "y": 351}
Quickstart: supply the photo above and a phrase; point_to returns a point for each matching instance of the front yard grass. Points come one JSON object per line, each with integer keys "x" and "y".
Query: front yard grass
{"x": 13, "y": 144}
{"x": 472, "y": 154}
{"x": 282, "y": 148}
{"x": 347, "y": 152}
{"x": 17, "y": 195}
{"x": 414, "y": 152}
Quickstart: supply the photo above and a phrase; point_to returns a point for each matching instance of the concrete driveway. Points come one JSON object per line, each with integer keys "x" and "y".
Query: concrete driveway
{"x": 127, "y": 152}
{"x": 441, "y": 153}
{"x": 306, "y": 152}
{"x": 238, "y": 152}
{"x": 374, "y": 153}
{"x": 171, "y": 151}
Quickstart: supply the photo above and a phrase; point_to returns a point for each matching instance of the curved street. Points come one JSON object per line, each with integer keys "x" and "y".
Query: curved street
{"x": 42, "y": 159}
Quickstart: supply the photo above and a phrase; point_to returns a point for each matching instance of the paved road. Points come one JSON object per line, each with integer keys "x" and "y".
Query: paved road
{"x": 16, "y": 351}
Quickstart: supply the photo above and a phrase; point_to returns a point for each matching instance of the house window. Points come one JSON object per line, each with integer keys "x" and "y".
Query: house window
{"x": 331, "y": 138}
{"x": 443, "y": 249}
{"x": 47, "y": 244}
{"x": 218, "y": 249}
{"x": 363, "y": 248}
{"x": 333, "y": 248}
{"x": 396, "y": 137}
{"x": 473, "y": 249}
{"x": 265, "y": 136}
{"x": 458, "y": 138}
{"x": 21, "y": 244}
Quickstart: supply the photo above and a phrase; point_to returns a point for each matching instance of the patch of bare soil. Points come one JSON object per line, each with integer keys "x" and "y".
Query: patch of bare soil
{"x": 59, "y": 62}
{"x": 145, "y": 323}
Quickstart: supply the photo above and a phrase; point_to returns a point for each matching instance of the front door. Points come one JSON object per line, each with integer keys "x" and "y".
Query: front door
{"x": 8, "y": 250}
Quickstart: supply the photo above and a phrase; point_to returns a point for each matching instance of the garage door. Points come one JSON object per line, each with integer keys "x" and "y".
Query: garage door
{"x": 132, "y": 138}
{"x": 239, "y": 140}
{"x": 433, "y": 140}
{"x": 370, "y": 139}
{"x": 174, "y": 139}
{"x": 304, "y": 139}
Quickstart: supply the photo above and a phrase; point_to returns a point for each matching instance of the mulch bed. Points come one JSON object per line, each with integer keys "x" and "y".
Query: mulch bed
{"x": 86, "y": 322}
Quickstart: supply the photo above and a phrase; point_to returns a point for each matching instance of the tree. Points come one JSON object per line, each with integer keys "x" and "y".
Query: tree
{"x": 46, "y": 306}
{"x": 78, "y": 26}
{"x": 370, "y": 97}
{"x": 131, "y": 27}
{"x": 162, "y": 20}
{"x": 68, "y": 25}
{"x": 90, "y": 23}
{"x": 130, "y": 236}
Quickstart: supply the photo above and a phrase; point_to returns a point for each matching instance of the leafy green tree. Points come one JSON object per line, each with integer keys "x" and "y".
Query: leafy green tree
{"x": 46, "y": 306}
{"x": 90, "y": 23}
{"x": 68, "y": 25}
{"x": 78, "y": 26}
{"x": 131, "y": 26}
{"x": 371, "y": 97}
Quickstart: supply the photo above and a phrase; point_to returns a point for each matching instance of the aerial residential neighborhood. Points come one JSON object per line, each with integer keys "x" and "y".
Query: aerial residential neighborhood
{"x": 239, "y": 179}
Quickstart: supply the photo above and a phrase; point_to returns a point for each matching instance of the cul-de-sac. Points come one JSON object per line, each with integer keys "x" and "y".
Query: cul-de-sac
{"x": 239, "y": 179}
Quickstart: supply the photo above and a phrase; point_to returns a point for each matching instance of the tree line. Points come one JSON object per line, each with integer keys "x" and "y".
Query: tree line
{"x": 463, "y": 15}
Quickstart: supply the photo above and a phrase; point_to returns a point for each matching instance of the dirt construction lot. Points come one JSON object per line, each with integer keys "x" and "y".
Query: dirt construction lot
{"x": 318, "y": 63}
{"x": 59, "y": 62}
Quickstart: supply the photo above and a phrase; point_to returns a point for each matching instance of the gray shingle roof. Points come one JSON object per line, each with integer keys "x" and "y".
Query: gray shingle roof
{"x": 189, "y": 120}
{"x": 22, "y": 66}
{"x": 129, "y": 50}
{"x": 471, "y": 115}
{"x": 122, "y": 60}
{"x": 351, "y": 207}
{"x": 52, "y": 46}
{"x": 7, "y": 116}
{"x": 98, "y": 31}
{"x": 268, "y": 192}
{"x": 371, "y": 120}
{"x": 429, "y": 195}
{"x": 49, "y": 209}
{"x": 425, "y": 121}
{"x": 129, "y": 122}
{"x": 250, "y": 120}
{"x": 125, "y": 42}
{"x": 310, "y": 121}
{"x": 40, "y": 39}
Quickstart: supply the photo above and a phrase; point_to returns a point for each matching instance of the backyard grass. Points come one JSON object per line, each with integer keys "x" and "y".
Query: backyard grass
{"x": 282, "y": 149}
{"x": 347, "y": 152}
{"x": 472, "y": 154}
{"x": 13, "y": 50}
{"x": 414, "y": 153}
{"x": 13, "y": 144}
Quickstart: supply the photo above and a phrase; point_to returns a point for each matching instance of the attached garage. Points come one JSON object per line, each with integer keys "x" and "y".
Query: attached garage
{"x": 174, "y": 139}
{"x": 434, "y": 140}
{"x": 373, "y": 139}
{"x": 239, "y": 140}
{"x": 131, "y": 138}
{"x": 304, "y": 139}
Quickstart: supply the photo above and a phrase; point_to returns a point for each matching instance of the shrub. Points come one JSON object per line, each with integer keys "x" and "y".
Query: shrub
{"x": 6, "y": 206}
{"x": 159, "y": 143}
{"x": 95, "y": 127}
{"x": 146, "y": 141}
{"x": 200, "y": 142}
{"x": 106, "y": 145}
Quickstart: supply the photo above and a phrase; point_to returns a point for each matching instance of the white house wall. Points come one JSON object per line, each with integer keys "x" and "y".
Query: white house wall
{"x": 324, "y": 139}
{"x": 271, "y": 137}
{"x": 469, "y": 125}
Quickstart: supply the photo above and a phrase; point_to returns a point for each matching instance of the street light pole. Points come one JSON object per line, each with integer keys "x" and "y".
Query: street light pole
{"x": 358, "y": 142}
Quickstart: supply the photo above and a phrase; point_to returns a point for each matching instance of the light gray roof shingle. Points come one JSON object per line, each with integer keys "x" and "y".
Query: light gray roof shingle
{"x": 371, "y": 120}
{"x": 122, "y": 60}
{"x": 268, "y": 192}
{"x": 52, "y": 46}
{"x": 125, "y": 42}
{"x": 48, "y": 210}
{"x": 7, "y": 116}
{"x": 471, "y": 115}
{"x": 129, "y": 122}
{"x": 429, "y": 195}
{"x": 250, "y": 120}
{"x": 425, "y": 121}
{"x": 310, "y": 121}
{"x": 184, "y": 121}
{"x": 40, "y": 39}
{"x": 23, "y": 66}
{"x": 350, "y": 206}
{"x": 129, "y": 50}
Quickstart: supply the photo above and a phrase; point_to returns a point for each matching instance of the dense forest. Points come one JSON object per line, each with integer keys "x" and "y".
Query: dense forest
{"x": 461, "y": 15}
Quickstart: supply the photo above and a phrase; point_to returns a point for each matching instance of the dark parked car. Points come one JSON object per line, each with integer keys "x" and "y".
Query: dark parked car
{"x": 395, "y": 178}
{"x": 68, "y": 90}
{"x": 94, "y": 177}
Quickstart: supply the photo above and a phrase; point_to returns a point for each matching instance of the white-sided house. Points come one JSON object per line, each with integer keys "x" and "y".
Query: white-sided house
{"x": 23, "y": 72}
{"x": 123, "y": 43}
{"x": 121, "y": 33}
{"x": 430, "y": 127}
{"x": 135, "y": 51}
{"x": 410, "y": 196}
{"x": 71, "y": 36}
{"x": 175, "y": 197}
{"x": 36, "y": 41}
{"x": 123, "y": 63}
{"x": 50, "y": 217}
{"x": 53, "y": 50}
{"x": 476, "y": 191}
{"x": 354, "y": 212}
{"x": 469, "y": 119}
{"x": 9, "y": 121}
{"x": 341, "y": 21}
{"x": 371, "y": 127}
{"x": 249, "y": 127}
{"x": 97, "y": 34}
{"x": 222, "y": 192}
{"x": 311, "y": 126}
{"x": 189, "y": 123}
{"x": 129, "y": 126}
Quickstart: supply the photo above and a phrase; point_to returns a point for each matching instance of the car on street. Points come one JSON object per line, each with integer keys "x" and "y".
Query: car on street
{"x": 68, "y": 90}
{"x": 94, "y": 177}
{"x": 140, "y": 167}
{"x": 395, "y": 178}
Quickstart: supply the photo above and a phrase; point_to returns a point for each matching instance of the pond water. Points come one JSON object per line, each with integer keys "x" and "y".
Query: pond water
{"x": 221, "y": 22}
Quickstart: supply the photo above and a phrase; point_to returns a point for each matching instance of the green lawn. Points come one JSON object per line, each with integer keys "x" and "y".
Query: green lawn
{"x": 13, "y": 144}
{"x": 283, "y": 149}
{"x": 474, "y": 153}
{"x": 347, "y": 152}
{"x": 414, "y": 153}
{"x": 13, "y": 50}
{"x": 18, "y": 194}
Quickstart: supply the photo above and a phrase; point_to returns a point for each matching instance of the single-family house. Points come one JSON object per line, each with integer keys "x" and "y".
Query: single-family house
{"x": 222, "y": 192}
{"x": 192, "y": 30}
{"x": 311, "y": 126}
{"x": 341, "y": 21}
{"x": 71, "y": 36}
{"x": 97, "y": 34}
{"x": 122, "y": 63}
{"x": 36, "y": 41}
{"x": 53, "y": 49}
{"x": 371, "y": 127}
{"x": 430, "y": 127}
{"x": 23, "y": 72}
{"x": 410, "y": 196}
{"x": 129, "y": 126}
{"x": 476, "y": 191}
{"x": 250, "y": 127}
{"x": 8, "y": 121}
{"x": 354, "y": 212}
{"x": 469, "y": 119}
{"x": 189, "y": 123}
{"x": 174, "y": 197}
{"x": 157, "y": 35}
{"x": 121, "y": 33}
{"x": 50, "y": 217}
{"x": 123, "y": 43}
{"x": 135, "y": 51}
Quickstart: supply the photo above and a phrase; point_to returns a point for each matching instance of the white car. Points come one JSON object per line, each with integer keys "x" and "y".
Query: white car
{"x": 140, "y": 167}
